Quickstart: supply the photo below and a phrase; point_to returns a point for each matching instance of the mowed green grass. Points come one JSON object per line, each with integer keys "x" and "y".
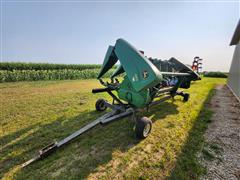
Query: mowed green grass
{"x": 34, "y": 114}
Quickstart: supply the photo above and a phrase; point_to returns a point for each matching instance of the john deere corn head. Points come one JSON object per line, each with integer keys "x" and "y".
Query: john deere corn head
{"x": 144, "y": 82}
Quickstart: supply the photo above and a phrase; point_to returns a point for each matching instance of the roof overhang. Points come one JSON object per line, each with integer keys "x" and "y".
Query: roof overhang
{"x": 236, "y": 35}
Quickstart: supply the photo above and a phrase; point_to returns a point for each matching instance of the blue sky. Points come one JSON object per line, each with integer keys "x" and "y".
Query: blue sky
{"x": 80, "y": 32}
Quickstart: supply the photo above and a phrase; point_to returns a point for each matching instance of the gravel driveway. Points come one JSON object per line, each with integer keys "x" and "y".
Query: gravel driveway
{"x": 221, "y": 151}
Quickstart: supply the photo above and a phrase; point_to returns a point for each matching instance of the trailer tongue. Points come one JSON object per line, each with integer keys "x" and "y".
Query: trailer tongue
{"x": 147, "y": 82}
{"x": 46, "y": 151}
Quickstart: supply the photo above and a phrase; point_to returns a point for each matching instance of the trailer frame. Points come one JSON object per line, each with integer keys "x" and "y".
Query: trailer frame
{"x": 119, "y": 110}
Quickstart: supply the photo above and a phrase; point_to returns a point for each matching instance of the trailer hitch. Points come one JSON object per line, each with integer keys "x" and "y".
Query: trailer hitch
{"x": 43, "y": 153}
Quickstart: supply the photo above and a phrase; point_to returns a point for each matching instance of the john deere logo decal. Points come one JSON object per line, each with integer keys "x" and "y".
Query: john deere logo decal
{"x": 145, "y": 74}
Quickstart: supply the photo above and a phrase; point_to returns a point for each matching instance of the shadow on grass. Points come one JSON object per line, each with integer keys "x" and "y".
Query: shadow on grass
{"x": 187, "y": 165}
{"x": 80, "y": 157}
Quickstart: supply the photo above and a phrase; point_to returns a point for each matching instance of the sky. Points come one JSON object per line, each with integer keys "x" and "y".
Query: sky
{"x": 77, "y": 32}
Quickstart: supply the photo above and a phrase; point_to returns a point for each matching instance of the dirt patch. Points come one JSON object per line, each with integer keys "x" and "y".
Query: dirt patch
{"x": 221, "y": 151}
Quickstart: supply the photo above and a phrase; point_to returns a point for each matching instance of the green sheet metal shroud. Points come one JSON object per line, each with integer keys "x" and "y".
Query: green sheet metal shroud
{"x": 141, "y": 73}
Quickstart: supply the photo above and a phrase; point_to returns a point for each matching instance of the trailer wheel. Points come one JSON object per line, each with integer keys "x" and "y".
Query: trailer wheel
{"x": 100, "y": 106}
{"x": 186, "y": 97}
{"x": 143, "y": 127}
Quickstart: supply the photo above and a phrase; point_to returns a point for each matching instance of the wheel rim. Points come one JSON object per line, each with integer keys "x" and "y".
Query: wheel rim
{"x": 102, "y": 105}
{"x": 146, "y": 130}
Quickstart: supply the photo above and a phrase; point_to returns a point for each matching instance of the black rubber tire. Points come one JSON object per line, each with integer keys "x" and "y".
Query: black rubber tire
{"x": 186, "y": 97}
{"x": 141, "y": 125}
{"x": 100, "y": 106}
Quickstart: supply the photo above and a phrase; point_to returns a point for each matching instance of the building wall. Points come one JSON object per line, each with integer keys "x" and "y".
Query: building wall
{"x": 234, "y": 73}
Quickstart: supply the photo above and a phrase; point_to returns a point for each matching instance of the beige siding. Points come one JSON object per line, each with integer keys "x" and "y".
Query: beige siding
{"x": 234, "y": 73}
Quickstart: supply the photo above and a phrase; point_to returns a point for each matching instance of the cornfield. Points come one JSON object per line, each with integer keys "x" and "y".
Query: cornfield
{"x": 10, "y": 66}
{"x": 12, "y": 72}
{"x": 32, "y": 75}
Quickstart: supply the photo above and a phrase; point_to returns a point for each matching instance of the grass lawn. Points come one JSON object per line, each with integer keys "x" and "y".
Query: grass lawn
{"x": 34, "y": 114}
